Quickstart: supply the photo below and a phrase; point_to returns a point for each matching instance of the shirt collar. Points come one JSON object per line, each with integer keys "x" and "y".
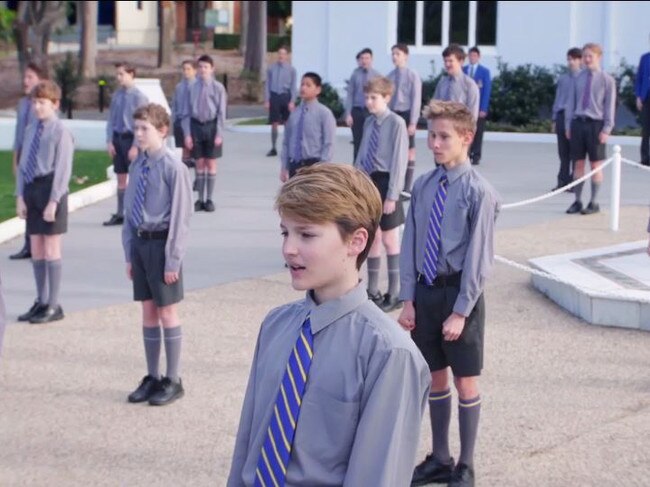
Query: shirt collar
{"x": 455, "y": 77}
{"x": 383, "y": 116}
{"x": 457, "y": 171}
{"x": 310, "y": 104}
{"x": 153, "y": 156}
{"x": 323, "y": 315}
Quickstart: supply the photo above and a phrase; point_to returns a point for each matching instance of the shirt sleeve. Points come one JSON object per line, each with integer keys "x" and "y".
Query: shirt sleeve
{"x": 349, "y": 98}
{"x": 392, "y": 406}
{"x": 109, "y": 122}
{"x": 329, "y": 131}
{"x": 399, "y": 161}
{"x": 127, "y": 226}
{"x": 242, "y": 439}
{"x": 187, "y": 115}
{"x": 221, "y": 110}
{"x": 486, "y": 91}
{"x": 294, "y": 84}
{"x": 609, "y": 108}
{"x": 284, "y": 154}
{"x": 436, "y": 92}
{"x": 416, "y": 99}
{"x": 570, "y": 102}
{"x": 473, "y": 98}
{"x": 62, "y": 165}
{"x": 20, "y": 126}
{"x": 407, "y": 263}
{"x": 267, "y": 86}
{"x": 556, "y": 102}
{"x": 179, "y": 222}
{"x": 480, "y": 252}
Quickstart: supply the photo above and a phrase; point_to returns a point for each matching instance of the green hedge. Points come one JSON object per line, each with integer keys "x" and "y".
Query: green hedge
{"x": 231, "y": 41}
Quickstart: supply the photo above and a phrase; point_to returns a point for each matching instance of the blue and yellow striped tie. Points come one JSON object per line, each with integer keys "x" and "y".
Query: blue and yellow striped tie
{"x": 432, "y": 248}
{"x": 368, "y": 163}
{"x": 137, "y": 213}
{"x": 29, "y": 171}
{"x": 276, "y": 450}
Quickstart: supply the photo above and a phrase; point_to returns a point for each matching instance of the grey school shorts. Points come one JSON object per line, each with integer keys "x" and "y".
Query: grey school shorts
{"x": 37, "y": 195}
{"x": 203, "y": 134}
{"x": 407, "y": 118}
{"x": 279, "y": 107}
{"x": 148, "y": 271}
{"x": 122, "y": 143}
{"x": 179, "y": 137}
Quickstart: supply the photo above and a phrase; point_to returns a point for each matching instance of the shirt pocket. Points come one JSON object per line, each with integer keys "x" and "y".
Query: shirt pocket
{"x": 332, "y": 425}
{"x": 460, "y": 221}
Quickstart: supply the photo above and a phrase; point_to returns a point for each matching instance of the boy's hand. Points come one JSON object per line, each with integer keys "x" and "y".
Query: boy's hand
{"x": 218, "y": 140}
{"x": 411, "y": 129}
{"x": 602, "y": 137}
{"x": 389, "y": 206}
{"x": 453, "y": 327}
{"x": 129, "y": 271}
{"x": 188, "y": 142}
{"x": 21, "y": 209}
{"x": 267, "y": 105}
{"x": 568, "y": 134}
{"x": 292, "y": 106}
{"x": 639, "y": 103}
{"x": 407, "y": 316}
{"x": 284, "y": 175}
{"x": 111, "y": 149}
{"x": 171, "y": 277}
{"x": 348, "y": 120}
{"x": 132, "y": 154}
{"x": 49, "y": 213}
{"x": 482, "y": 114}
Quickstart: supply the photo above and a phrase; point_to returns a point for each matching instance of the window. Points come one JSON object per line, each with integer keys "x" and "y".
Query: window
{"x": 430, "y": 23}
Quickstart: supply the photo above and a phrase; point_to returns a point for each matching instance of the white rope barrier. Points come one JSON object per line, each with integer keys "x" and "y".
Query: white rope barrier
{"x": 635, "y": 164}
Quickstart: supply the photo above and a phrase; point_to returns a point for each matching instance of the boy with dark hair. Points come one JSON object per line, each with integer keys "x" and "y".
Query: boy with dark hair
{"x": 382, "y": 156}
{"x": 457, "y": 86}
{"x": 280, "y": 91}
{"x": 355, "y": 102}
{"x": 589, "y": 118}
{"x": 24, "y": 116}
{"x": 562, "y": 92}
{"x": 447, "y": 251}
{"x": 481, "y": 76}
{"x": 203, "y": 126}
{"x": 407, "y": 103}
{"x": 43, "y": 177}
{"x": 309, "y": 132}
{"x": 158, "y": 206}
{"x": 336, "y": 390}
{"x": 119, "y": 132}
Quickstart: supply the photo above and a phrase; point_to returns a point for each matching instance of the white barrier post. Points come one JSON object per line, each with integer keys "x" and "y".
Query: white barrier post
{"x": 615, "y": 202}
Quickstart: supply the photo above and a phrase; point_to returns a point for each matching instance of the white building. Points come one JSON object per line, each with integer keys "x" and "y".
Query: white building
{"x": 327, "y": 35}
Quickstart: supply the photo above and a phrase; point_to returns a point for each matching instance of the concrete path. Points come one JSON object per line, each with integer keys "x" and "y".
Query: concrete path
{"x": 565, "y": 403}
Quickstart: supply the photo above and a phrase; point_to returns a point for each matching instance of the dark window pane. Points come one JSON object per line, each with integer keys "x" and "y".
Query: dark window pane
{"x": 432, "y": 24}
{"x": 406, "y": 22}
{"x": 486, "y": 23}
{"x": 459, "y": 22}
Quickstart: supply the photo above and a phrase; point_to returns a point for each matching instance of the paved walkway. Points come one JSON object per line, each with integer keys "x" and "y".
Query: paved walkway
{"x": 564, "y": 403}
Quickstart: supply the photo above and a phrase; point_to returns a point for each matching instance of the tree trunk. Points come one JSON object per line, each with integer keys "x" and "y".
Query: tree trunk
{"x": 243, "y": 31}
{"x": 166, "y": 33}
{"x": 88, "y": 48}
{"x": 34, "y": 21}
{"x": 255, "y": 58}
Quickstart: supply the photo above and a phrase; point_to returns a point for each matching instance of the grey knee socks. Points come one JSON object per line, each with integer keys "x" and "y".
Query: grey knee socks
{"x": 440, "y": 414}
{"x": 40, "y": 276}
{"x": 151, "y": 337}
{"x": 212, "y": 178}
{"x": 173, "y": 338}
{"x": 393, "y": 274}
{"x": 373, "y": 274}
{"x": 54, "y": 281}
{"x": 468, "y": 415}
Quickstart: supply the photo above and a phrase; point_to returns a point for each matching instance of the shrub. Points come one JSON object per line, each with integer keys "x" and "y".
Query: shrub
{"x": 331, "y": 99}
{"x": 66, "y": 74}
{"x": 7, "y": 18}
{"x": 231, "y": 41}
{"x": 625, "y": 76}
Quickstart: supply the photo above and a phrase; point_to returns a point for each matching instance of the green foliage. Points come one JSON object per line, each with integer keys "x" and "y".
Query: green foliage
{"x": 231, "y": 41}
{"x": 278, "y": 9}
{"x": 66, "y": 75}
{"x": 522, "y": 94}
{"x": 625, "y": 76}
{"x": 7, "y": 18}
{"x": 331, "y": 99}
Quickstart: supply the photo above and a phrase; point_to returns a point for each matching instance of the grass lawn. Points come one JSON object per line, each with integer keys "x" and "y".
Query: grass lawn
{"x": 89, "y": 167}
{"x": 255, "y": 121}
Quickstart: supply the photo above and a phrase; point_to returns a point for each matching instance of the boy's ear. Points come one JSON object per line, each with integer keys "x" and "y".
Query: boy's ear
{"x": 357, "y": 242}
{"x": 468, "y": 137}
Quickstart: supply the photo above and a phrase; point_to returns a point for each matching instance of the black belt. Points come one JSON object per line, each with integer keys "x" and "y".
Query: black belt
{"x": 122, "y": 135}
{"x": 152, "y": 235}
{"x": 584, "y": 118}
{"x": 207, "y": 122}
{"x": 304, "y": 162}
{"x": 441, "y": 281}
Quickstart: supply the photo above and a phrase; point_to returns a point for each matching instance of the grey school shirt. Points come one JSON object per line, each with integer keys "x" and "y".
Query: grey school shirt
{"x": 179, "y": 102}
{"x": 167, "y": 203}
{"x": 392, "y": 152}
{"x": 319, "y": 129}
{"x": 355, "y": 95}
{"x": 466, "y": 234}
{"x": 54, "y": 155}
{"x": 601, "y": 102}
{"x": 365, "y": 396}
{"x": 24, "y": 117}
{"x": 281, "y": 78}
{"x": 217, "y": 99}
{"x": 124, "y": 103}
{"x": 460, "y": 88}
{"x": 562, "y": 92}
{"x": 408, "y": 92}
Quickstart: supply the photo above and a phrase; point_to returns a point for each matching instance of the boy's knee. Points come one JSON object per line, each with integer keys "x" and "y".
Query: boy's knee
{"x": 467, "y": 387}
{"x": 439, "y": 380}
{"x": 167, "y": 314}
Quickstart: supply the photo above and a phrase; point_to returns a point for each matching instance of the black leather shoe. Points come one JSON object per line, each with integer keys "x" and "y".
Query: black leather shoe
{"x": 463, "y": 476}
{"x": 33, "y": 311}
{"x": 576, "y": 207}
{"x": 168, "y": 391}
{"x": 432, "y": 470}
{"x": 208, "y": 206}
{"x": 376, "y": 298}
{"x": 591, "y": 209}
{"x": 47, "y": 314}
{"x": 390, "y": 303}
{"x": 23, "y": 253}
{"x": 148, "y": 386}
{"x": 645, "y": 163}
{"x": 272, "y": 153}
{"x": 198, "y": 205}
{"x": 115, "y": 219}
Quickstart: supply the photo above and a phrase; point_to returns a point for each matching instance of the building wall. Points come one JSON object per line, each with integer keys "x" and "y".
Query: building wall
{"x": 137, "y": 27}
{"x": 327, "y": 35}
